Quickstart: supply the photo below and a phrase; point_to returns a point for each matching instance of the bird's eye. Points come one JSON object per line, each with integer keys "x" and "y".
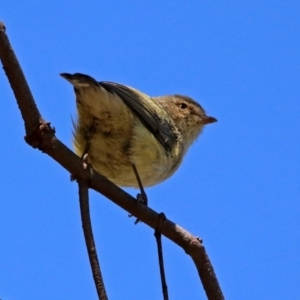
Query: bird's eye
{"x": 183, "y": 105}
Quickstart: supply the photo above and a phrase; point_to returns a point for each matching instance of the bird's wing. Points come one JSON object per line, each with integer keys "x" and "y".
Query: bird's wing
{"x": 160, "y": 125}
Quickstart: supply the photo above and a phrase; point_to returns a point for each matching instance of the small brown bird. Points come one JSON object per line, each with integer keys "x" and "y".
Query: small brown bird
{"x": 121, "y": 128}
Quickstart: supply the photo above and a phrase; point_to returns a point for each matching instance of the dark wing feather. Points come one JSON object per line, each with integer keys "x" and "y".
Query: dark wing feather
{"x": 162, "y": 127}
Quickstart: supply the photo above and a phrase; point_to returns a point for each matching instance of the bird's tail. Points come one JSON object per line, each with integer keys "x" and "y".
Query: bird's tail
{"x": 79, "y": 80}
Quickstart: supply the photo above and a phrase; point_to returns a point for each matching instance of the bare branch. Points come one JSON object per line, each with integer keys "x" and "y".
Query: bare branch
{"x": 18, "y": 83}
{"x": 89, "y": 239}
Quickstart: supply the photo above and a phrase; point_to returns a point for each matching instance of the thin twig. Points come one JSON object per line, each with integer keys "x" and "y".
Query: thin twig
{"x": 164, "y": 286}
{"x": 89, "y": 239}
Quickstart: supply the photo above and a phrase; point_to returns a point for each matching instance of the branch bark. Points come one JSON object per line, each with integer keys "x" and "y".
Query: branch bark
{"x": 39, "y": 134}
{"x": 83, "y": 191}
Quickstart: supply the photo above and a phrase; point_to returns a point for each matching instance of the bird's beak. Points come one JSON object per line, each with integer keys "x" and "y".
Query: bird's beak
{"x": 207, "y": 120}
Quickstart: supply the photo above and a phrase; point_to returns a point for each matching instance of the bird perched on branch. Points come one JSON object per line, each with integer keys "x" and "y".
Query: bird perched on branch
{"x": 130, "y": 136}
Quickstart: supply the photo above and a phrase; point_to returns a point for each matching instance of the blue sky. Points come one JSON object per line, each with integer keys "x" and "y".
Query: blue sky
{"x": 238, "y": 187}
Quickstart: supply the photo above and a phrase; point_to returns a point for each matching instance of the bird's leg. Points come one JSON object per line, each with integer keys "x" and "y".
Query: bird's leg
{"x": 85, "y": 154}
{"x": 142, "y": 197}
{"x": 88, "y": 136}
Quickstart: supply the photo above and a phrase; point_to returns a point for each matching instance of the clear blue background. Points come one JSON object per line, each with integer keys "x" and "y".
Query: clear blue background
{"x": 238, "y": 187}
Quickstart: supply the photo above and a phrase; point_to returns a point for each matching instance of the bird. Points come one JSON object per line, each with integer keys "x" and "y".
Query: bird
{"x": 130, "y": 137}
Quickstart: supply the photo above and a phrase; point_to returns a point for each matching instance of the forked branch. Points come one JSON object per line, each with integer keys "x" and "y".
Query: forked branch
{"x": 39, "y": 134}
